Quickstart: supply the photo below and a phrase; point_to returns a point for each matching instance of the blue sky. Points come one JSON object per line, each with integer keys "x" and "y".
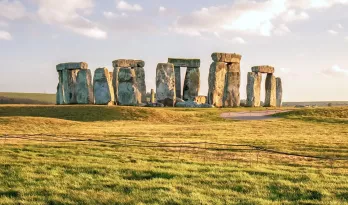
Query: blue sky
{"x": 305, "y": 40}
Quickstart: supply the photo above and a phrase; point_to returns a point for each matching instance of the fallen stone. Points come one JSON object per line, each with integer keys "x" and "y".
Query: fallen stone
{"x": 165, "y": 84}
{"x": 191, "y": 104}
{"x": 271, "y": 91}
{"x": 191, "y": 83}
{"x": 232, "y": 86}
{"x": 128, "y": 93}
{"x": 84, "y": 87}
{"x": 253, "y": 89}
{"x": 185, "y": 62}
{"x": 279, "y": 92}
{"x": 226, "y": 57}
{"x": 154, "y": 105}
{"x": 103, "y": 90}
{"x": 179, "y": 100}
{"x": 216, "y": 83}
{"x": 72, "y": 66}
{"x": 140, "y": 80}
{"x": 201, "y": 99}
{"x": 263, "y": 69}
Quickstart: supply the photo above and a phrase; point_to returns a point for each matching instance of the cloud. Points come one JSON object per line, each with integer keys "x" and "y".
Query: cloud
{"x": 111, "y": 15}
{"x": 292, "y": 15}
{"x": 162, "y": 9}
{"x": 3, "y": 24}
{"x": 335, "y": 71}
{"x": 238, "y": 40}
{"x": 315, "y": 4}
{"x": 340, "y": 26}
{"x": 123, "y": 5}
{"x": 67, "y": 14}
{"x": 4, "y": 35}
{"x": 332, "y": 32}
{"x": 12, "y": 10}
{"x": 282, "y": 30}
{"x": 346, "y": 39}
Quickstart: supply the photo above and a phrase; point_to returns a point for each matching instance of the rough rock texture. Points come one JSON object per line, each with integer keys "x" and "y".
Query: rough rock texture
{"x": 191, "y": 84}
{"x": 115, "y": 83}
{"x": 226, "y": 57}
{"x": 84, "y": 87}
{"x": 60, "y": 100}
{"x": 263, "y": 69}
{"x": 178, "y": 81}
{"x": 103, "y": 91}
{"x": 253, "y": 89}
{"x": 165, "y": 84}
{"x": 111, "y": 76}
{"x": 192, "y": 104}
{"x": 72, "y": 66}
{"x": 279, "y": 92}
{"x": 140, "y": 80}
{"x": 216, "y": 83}
{"x": 152, "y": 96}
{"x": 69, "y": 86}
{"x": 271, "y": 91}
{"x": 201, "y": 99}
{"x": 184, "y": 62}
{"x": 232, "y": 86}
{"x": 128, "y": 93}
{"x": 128, "y": 63}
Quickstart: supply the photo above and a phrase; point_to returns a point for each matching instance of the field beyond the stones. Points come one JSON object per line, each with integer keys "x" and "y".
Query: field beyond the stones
{"x": 130, "y": 155}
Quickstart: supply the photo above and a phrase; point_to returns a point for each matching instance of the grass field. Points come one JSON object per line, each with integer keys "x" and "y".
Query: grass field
{"x": 128, "y": 155}
{"x": 38, "y": 97}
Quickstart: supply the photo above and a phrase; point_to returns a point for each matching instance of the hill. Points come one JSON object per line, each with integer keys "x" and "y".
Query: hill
{"x": 27, "y": 98}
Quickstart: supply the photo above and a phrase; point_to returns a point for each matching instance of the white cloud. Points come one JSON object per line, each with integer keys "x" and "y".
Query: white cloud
{"x": 335, "y": 71}
{"x": 4, "y": 35}
{"x": 346, "y": 39}
{"x": 340, "y": 26}
{"x": 315, "y": 4}
{"x": 123, "y": 5}
{"x": 162, "y": 9}
{"x": 3, "y": 24}
{"x": 332, "y": 32}
{"x": 238, "y": 40}
{"x": 66, "y": 13}
{"x": 111, "y": 15}
{"x": 282, "y": 30}
{"x": 292, "y": 15}
{"x": 12, "y": 9}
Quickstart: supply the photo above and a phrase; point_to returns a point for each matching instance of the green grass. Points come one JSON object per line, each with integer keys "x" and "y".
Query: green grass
{"x": 47, "y": 98}
{"x": 50, "y": 169}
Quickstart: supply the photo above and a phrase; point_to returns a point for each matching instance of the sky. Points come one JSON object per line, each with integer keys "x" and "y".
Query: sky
{"x": 305, "y": 40}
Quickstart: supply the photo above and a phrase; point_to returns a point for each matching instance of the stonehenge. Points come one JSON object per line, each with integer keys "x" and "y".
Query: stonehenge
{"x": 126, "y": 85}
{"x": 192, "y": 77}
{"x": 224, "y": 80}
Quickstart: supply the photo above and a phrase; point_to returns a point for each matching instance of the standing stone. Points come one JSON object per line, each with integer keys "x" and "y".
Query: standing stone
{"x": 232, "y": 86}
{"x": 84, "y": 87}
{"x": 216, "y": 83}
{"x": 191, "y": 84}
{"x": 103, "y": 91}
{"x": 271, "y": 91}
{"x": 254, "y": 89}
{"x": 279, "y": 92}
{"x": 165, "y": 84}
{"x": 152, "y": 96}
{"x": 115, "y": 83}
{"x": 140, "y": 81}
{"x": 178, "y": 92}
{"x": 111, "y": 76}
{"x": 128, "y": 93}
{"x": 60, "y": 90}
{"x": 69, "y": 86}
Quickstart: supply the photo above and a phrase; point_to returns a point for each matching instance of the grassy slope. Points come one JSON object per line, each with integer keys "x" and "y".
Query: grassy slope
{"x": 49, "y": 98}
{"x": 102, "y": 173}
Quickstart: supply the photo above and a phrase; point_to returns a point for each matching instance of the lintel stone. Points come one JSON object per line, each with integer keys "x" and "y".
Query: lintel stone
{"x": 72, "y": 66}
{"x": 125, "y": 63}
{"x": 226, "y": 57}
{"x": 263, "y": 69}
{"x": 185, "y": 62}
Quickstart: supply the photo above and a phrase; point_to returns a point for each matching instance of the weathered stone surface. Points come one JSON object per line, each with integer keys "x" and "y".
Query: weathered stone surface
{"x": 128, "y": 93}
{"x": 72, "y": 66}
{"x": 279, "y": 92}
{"x": 69, "y": 86}
{"x": 165, "y": 84}
{"x": 271, "y": 91}
{"x": 232, "y": 86}
{"x": 192, "y": 104}
{"x": 185, "y": 62}
{"x": 263, "y": 69}
{"x": 191, "y": 84}
{"x": 60, "y": 90}
{"x": 152, "y": 96}
{"x": 140, "y": 80}
{"x": 111, "y": 76}
{"x": 201, "y": 99}
{"x": 253, "y": 89}
{"x": 103, "y": 90}
{"x": 128, "y": 63}
{"x": 179, "y": 100}
{"x": 178, "y": 91}
{"x": 226, "y": 57}
{"x": 115, "y": 83}
{"x": 216, "y": 83}
{"x": 84, "y": 87}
